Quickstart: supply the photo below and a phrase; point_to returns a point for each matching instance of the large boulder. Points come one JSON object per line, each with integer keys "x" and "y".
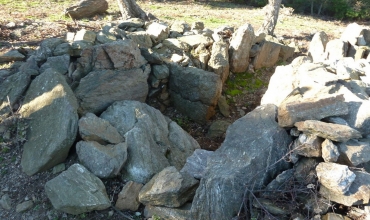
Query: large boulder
{"x": 51, "y": 108}
{"x": 148, "y": 132}
{"x": 121, "y": 54}
{"x": 76, "y": 191}
{"x": 100, "y": 88}
{"x": 86, "y": 8}
{"x": 245, "y": 159}
{"x": 240, "y": 47}
{"x": 194, "y": 92}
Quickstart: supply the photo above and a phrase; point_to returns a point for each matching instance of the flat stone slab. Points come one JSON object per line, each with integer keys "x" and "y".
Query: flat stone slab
{"x": 294, "y": 108}
{"x": 334, "y": 132}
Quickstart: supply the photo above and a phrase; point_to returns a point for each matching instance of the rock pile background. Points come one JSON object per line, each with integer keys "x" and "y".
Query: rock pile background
{"x": 90, "y": 88}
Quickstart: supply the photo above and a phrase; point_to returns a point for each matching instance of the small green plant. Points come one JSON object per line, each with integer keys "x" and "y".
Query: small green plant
{"x": 82, "y": 216}
{"x": 156, "y": 217}
{"x": 5, "y": 150}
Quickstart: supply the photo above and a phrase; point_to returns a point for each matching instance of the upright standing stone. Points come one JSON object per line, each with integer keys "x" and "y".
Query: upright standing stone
{"x": 240, "y": 46}
{"x": 246, "y": 159}
{"x": 219, "y": 61}
{"x": 317, "y": 47}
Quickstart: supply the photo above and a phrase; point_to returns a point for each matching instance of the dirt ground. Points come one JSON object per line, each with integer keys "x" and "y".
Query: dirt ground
{"x": 35, "y": 24}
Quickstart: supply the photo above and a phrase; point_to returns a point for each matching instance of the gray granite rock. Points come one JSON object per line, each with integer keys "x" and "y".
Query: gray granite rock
{"x": 11, "y": 91}
{"x": 317, "y": 46}
{"x": 335, "y": 177}
{"x": 196, "y": 164}
{"x": 357, "y": 193}
{"x": 86, "y": 8}
{"x": 148, "y": 132}
{"x": 100, "y": 88}
{"x": 195, "y": 92}
{"x": 93, "y": 128}
{"x": 103, "y": 161}
{"x": 53, "y": 122}
{"x": 296, "y": 107}
{"x": 76, "y": 191}
{"x": 330, "y": 151}
{"x": 239, "y": 48}
{"x": 354, "y": 152}
{"x": 128, "y": 198}
{"x": 334, "y": 132}
{"x": 308, "y": 145}
{"x": 219, "y": 60}
{"x": 168, "y": 188}
{"x": 242, "y": 160}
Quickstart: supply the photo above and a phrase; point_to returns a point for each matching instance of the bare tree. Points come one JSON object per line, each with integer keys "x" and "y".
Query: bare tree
{"x": 130, "y": 9}
{"x": 272, "y": 14}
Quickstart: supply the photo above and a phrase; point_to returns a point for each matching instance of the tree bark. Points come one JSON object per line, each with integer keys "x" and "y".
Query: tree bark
{"x": 130, "y": 9}
{"x": 272, "y": 14}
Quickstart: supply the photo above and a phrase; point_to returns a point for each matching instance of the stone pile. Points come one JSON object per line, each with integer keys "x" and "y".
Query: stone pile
{"x": 312, "y": 130}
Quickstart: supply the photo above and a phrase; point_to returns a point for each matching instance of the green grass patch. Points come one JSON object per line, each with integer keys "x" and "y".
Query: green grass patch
{"x": 243, "y": 82}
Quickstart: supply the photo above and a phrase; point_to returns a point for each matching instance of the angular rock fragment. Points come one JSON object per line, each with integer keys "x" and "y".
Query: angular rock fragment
{"x": 196, "y": 40}
{"x": 92, "y": 128}
{"x": 86, "y": 8}
{"x": 219, "y": 61}
{"x": 330, "y": 151}
{"x": 148, "y": 132}
{"x": 357, "y": 194}
{"x": 334, "y": 132}
{"x": 317, "y": 47}
{"x": 196, "y": 164}
{"x": 308, "y": 145}
{"x": 182, "y": 213}
{"x": 76, "y": 191}
{"x": 240, "y": 47}
{"x": 103, "y": 161}
{"x": 195, "y": 92}
{"x": 335, "y": 177}
{"x": 158, "y": 32}
{"x": 168, "y": 188}
{"x": 128, "y": 198}
{"x": 355, "y": 152}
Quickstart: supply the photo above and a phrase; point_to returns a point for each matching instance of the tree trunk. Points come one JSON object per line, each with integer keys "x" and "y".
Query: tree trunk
{"x": 272, "y": 14}
{"x": 130, "y": 9}
{"x": 312, "y": 1}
